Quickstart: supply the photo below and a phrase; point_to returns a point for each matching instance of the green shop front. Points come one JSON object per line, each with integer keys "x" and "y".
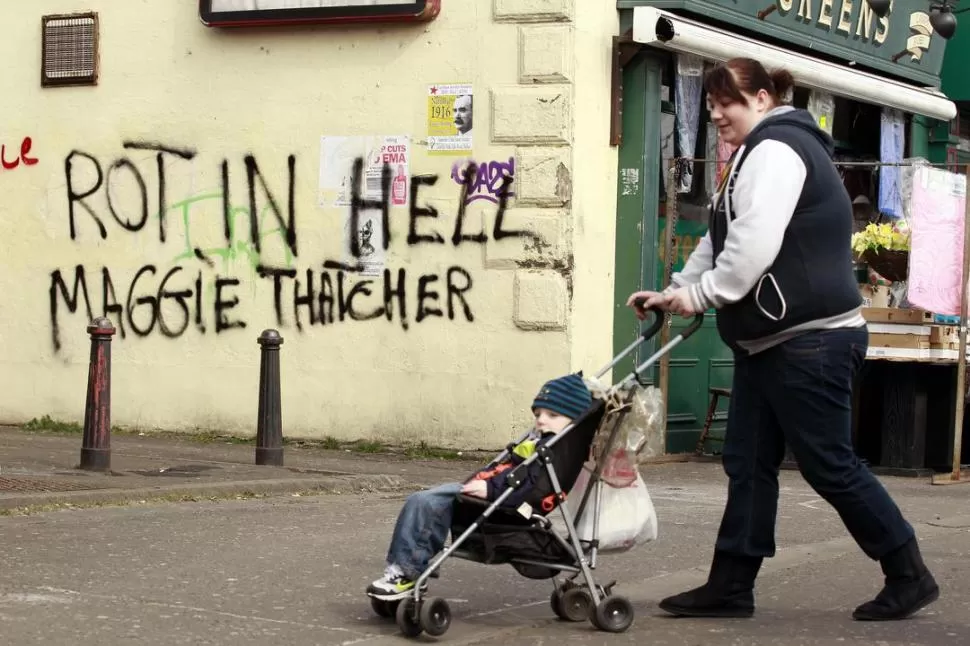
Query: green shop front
{"x": 950, "y": 141}
{"x": 868, "y": 80}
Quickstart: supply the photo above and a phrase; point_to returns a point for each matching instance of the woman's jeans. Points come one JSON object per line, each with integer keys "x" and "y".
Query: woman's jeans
{"x": 422, "y": 528}
{"x": 800, "y": 393}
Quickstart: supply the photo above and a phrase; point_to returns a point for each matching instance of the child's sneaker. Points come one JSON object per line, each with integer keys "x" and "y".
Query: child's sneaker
{"x": 393, "y": 585}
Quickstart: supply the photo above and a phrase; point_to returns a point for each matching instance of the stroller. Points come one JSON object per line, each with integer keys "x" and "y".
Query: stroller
{"x": 487, "y": 533}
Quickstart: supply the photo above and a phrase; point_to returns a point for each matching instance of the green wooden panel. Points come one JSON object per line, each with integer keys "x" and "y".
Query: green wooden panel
{"x": 698, "y": 364}
{"x": 844, "y": 29}
{"x": 703, "y": 360}
{"x": 954, "y": 77}
{"x": 637, "y": 198}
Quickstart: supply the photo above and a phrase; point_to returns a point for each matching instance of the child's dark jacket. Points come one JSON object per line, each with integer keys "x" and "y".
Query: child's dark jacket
{"x": 495, "y": 473}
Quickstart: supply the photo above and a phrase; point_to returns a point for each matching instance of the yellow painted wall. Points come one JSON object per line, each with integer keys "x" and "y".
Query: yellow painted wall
{"x": 268, "y": 95}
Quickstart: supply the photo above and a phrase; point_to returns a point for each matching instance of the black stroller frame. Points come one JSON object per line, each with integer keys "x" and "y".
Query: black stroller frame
{"x": 571, "y": 601}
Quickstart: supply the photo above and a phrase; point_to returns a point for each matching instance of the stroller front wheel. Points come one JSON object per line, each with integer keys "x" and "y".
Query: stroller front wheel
{"x": 407, "y": 618}
{"x": 575, "y": 604}
{"x": 556, "y": 602}
{"x": 435, "y": 616}
{"x": 382, "y": 608}
{"x": 613, "y": 614}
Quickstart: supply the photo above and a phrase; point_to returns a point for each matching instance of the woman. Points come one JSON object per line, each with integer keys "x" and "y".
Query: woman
{"x": 777, "y": 266}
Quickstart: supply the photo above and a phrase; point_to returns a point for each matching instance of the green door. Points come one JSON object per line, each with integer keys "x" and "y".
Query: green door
{"x": 702, "y": 361}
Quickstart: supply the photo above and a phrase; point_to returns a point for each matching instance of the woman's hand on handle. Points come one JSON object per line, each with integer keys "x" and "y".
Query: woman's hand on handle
{"x": 680, "y": 302}
{"x": 643, "y": 301}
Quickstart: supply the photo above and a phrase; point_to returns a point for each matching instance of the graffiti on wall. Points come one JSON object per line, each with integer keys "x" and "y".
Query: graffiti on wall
{"x": 199, "y": 289}
{"x": 17, "y": 155}
{"x": 485, "y": 180}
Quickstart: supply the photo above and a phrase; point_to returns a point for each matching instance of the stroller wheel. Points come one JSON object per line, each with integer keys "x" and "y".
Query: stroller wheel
{"x": 613, "y": 614}
{"x": 556, "y": 602}
{"x": 407, "y": 618}
{"x": 435, "y": 616}
{"x": 576, "y": 604}
{"x": 382, "y": 608}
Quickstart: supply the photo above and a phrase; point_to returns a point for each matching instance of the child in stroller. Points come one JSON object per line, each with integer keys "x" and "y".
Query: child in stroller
{"x": 502, "y": 517}
{"x": 426, "y": 518}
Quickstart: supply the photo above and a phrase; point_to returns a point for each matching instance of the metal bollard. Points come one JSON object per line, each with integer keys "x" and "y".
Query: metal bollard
{"x": 96, "y": 442}
{"x": 269, "y": 425}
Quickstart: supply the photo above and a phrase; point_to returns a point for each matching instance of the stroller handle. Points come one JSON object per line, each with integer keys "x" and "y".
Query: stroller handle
{"x": 650, "y": 332}
{"x": 658, "y": 319}
{"x": 658, "y": 322}
{"x": 696, "y": 323}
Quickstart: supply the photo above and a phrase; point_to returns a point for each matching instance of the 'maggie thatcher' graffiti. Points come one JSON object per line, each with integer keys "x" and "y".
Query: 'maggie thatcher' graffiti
{"x": 193, "y": 294}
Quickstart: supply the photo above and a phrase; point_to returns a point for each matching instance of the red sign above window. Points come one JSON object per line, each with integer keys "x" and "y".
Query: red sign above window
{"x": 252, "y": 13}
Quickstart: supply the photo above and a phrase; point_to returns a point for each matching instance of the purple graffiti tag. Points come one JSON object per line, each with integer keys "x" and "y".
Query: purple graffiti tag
{"x": 488, "y": 181}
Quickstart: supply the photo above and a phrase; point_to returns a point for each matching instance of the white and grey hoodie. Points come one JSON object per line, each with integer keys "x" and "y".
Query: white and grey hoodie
{"x": 777, "y": 260}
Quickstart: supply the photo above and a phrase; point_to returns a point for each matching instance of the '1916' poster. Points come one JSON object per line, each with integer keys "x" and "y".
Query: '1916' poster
{"x": 450, "y": 119}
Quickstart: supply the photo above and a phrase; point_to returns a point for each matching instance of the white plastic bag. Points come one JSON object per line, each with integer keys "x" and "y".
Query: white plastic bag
{"x": 627, "y": 515}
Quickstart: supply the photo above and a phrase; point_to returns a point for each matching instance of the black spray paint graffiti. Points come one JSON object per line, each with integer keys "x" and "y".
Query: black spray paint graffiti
{"x": 340, "y": 284}
{"x": 175, "y": 300}
{"x": 487, "y": 179}
{"x": 76, "y": 197}
{"x": 147, "y": 300}
{"x": 344, "y": 295}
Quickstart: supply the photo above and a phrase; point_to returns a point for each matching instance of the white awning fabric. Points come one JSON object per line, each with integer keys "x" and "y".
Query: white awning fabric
{"x": 652, "y": 26}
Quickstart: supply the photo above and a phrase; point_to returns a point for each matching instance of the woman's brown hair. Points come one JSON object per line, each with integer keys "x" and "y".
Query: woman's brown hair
{"x": 726, "y": 81}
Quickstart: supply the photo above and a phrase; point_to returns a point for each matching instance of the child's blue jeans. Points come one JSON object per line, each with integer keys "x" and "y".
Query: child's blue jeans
{"x": 422, "y": 528}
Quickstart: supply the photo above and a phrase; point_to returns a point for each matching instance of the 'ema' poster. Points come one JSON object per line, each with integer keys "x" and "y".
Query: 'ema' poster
{"x": 936, "y": 243}
{"x": 450, "y": 119}
{"x": 337, "y": 158}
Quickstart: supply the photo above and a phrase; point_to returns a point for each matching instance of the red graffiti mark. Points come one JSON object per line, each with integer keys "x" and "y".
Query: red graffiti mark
{"x": 23, "y": 157}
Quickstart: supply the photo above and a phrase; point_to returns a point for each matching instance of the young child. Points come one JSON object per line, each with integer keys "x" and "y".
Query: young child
{"x": 424, "y": 522}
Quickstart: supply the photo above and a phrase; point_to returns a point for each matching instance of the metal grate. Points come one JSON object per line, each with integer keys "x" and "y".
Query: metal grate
{"x": 70, "y": 50}
{"x": 22, "y": 484}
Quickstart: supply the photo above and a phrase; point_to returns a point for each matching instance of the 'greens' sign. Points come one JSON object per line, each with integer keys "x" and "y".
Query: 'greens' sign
{"x": 901, "y": 44}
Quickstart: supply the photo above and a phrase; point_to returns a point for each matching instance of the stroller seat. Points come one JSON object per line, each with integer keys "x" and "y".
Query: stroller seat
{"x": 530, "y": 544}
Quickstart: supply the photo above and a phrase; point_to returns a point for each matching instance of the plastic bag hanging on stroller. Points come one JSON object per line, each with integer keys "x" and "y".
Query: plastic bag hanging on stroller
{"x": 487, "y": 532}
{"x": 627, "y": 517}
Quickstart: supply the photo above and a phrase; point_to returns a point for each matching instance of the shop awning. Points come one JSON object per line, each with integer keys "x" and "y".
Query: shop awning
{"x": 651, "y": 26}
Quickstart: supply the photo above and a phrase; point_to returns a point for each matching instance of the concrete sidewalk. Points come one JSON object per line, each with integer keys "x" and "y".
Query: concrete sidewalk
{"x": 39, "y": 469}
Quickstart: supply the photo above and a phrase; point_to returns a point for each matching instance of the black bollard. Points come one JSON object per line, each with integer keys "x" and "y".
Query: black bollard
{"x": 269, "y": 426}
{"x": 96, "y": 442}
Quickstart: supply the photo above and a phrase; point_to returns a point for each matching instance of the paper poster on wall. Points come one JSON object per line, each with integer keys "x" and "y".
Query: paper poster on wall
{"x": 337, "y": 156}
{"x": 936, "y": 244}
{"x": 450, "y": 119}
{"x": 370, "y": 242}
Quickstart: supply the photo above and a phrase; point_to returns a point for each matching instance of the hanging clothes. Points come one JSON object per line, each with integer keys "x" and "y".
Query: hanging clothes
{"x": 688, "y": 88}
{"x": 892, "y": 142}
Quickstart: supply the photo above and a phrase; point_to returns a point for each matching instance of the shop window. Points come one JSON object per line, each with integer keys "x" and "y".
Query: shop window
{"x": 69, "y": 50}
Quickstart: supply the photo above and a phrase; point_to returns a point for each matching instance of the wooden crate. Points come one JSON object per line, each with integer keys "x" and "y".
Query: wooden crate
{"x": 900, "y": 341}
{"x": 896, "y": 315}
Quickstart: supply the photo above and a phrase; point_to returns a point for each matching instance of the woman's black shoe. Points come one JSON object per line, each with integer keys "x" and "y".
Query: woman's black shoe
{"x": 909, "y": 587}
{"x": 728, "y": 593}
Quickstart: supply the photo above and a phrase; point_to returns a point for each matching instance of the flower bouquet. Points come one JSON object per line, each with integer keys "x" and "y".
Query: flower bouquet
{"x": 885, "y": 248}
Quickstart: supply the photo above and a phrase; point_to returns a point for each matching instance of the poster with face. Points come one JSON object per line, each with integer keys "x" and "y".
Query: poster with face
{"x": 230, "y": 13}
{"x": 450, "y": 119}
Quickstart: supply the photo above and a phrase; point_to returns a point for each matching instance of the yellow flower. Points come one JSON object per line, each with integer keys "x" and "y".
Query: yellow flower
{"x": 887, "y": 235}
